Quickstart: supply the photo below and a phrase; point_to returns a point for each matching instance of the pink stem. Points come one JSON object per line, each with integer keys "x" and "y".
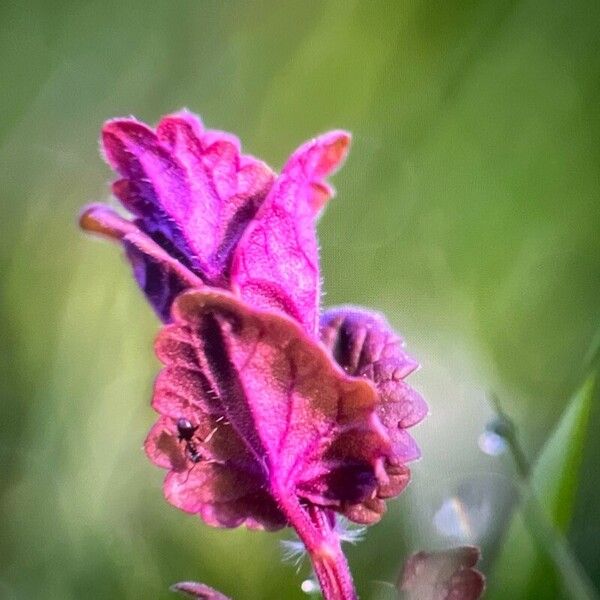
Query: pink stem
{"x": 314, "y": 527}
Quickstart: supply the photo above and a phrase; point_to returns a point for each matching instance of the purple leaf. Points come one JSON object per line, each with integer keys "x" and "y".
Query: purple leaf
{"x": 364, "y": 345}
{"x": 191, "y": 189}
{"x": 276, "y": 264}
{"x": 444, "y": 575}
{"x": 273, "y": 416}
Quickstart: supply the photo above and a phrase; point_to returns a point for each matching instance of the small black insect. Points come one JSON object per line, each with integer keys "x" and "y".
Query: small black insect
{"x": 185, "y": 433}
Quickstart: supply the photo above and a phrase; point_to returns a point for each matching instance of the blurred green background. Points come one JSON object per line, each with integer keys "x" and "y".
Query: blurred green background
{"x": 468, "y": 211}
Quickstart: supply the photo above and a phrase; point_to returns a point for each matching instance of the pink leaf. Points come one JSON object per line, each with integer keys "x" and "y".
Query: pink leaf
{"x": 272, "y": 416}
{"x": 276, "y": 262}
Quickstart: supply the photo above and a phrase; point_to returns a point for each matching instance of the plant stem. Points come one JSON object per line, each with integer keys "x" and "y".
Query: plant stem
{"x": 315, "y": 527}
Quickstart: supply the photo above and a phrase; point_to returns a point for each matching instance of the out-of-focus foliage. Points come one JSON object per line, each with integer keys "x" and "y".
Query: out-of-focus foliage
{"x": 534, "y": 559}
{"x": 468, "y": 212}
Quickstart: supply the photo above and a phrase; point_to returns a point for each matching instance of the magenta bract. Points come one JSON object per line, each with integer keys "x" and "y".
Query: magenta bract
{"x": 260, "y": 399}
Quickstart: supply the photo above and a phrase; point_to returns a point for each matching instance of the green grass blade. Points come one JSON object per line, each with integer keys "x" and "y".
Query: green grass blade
{"x": 536, "y": 561}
